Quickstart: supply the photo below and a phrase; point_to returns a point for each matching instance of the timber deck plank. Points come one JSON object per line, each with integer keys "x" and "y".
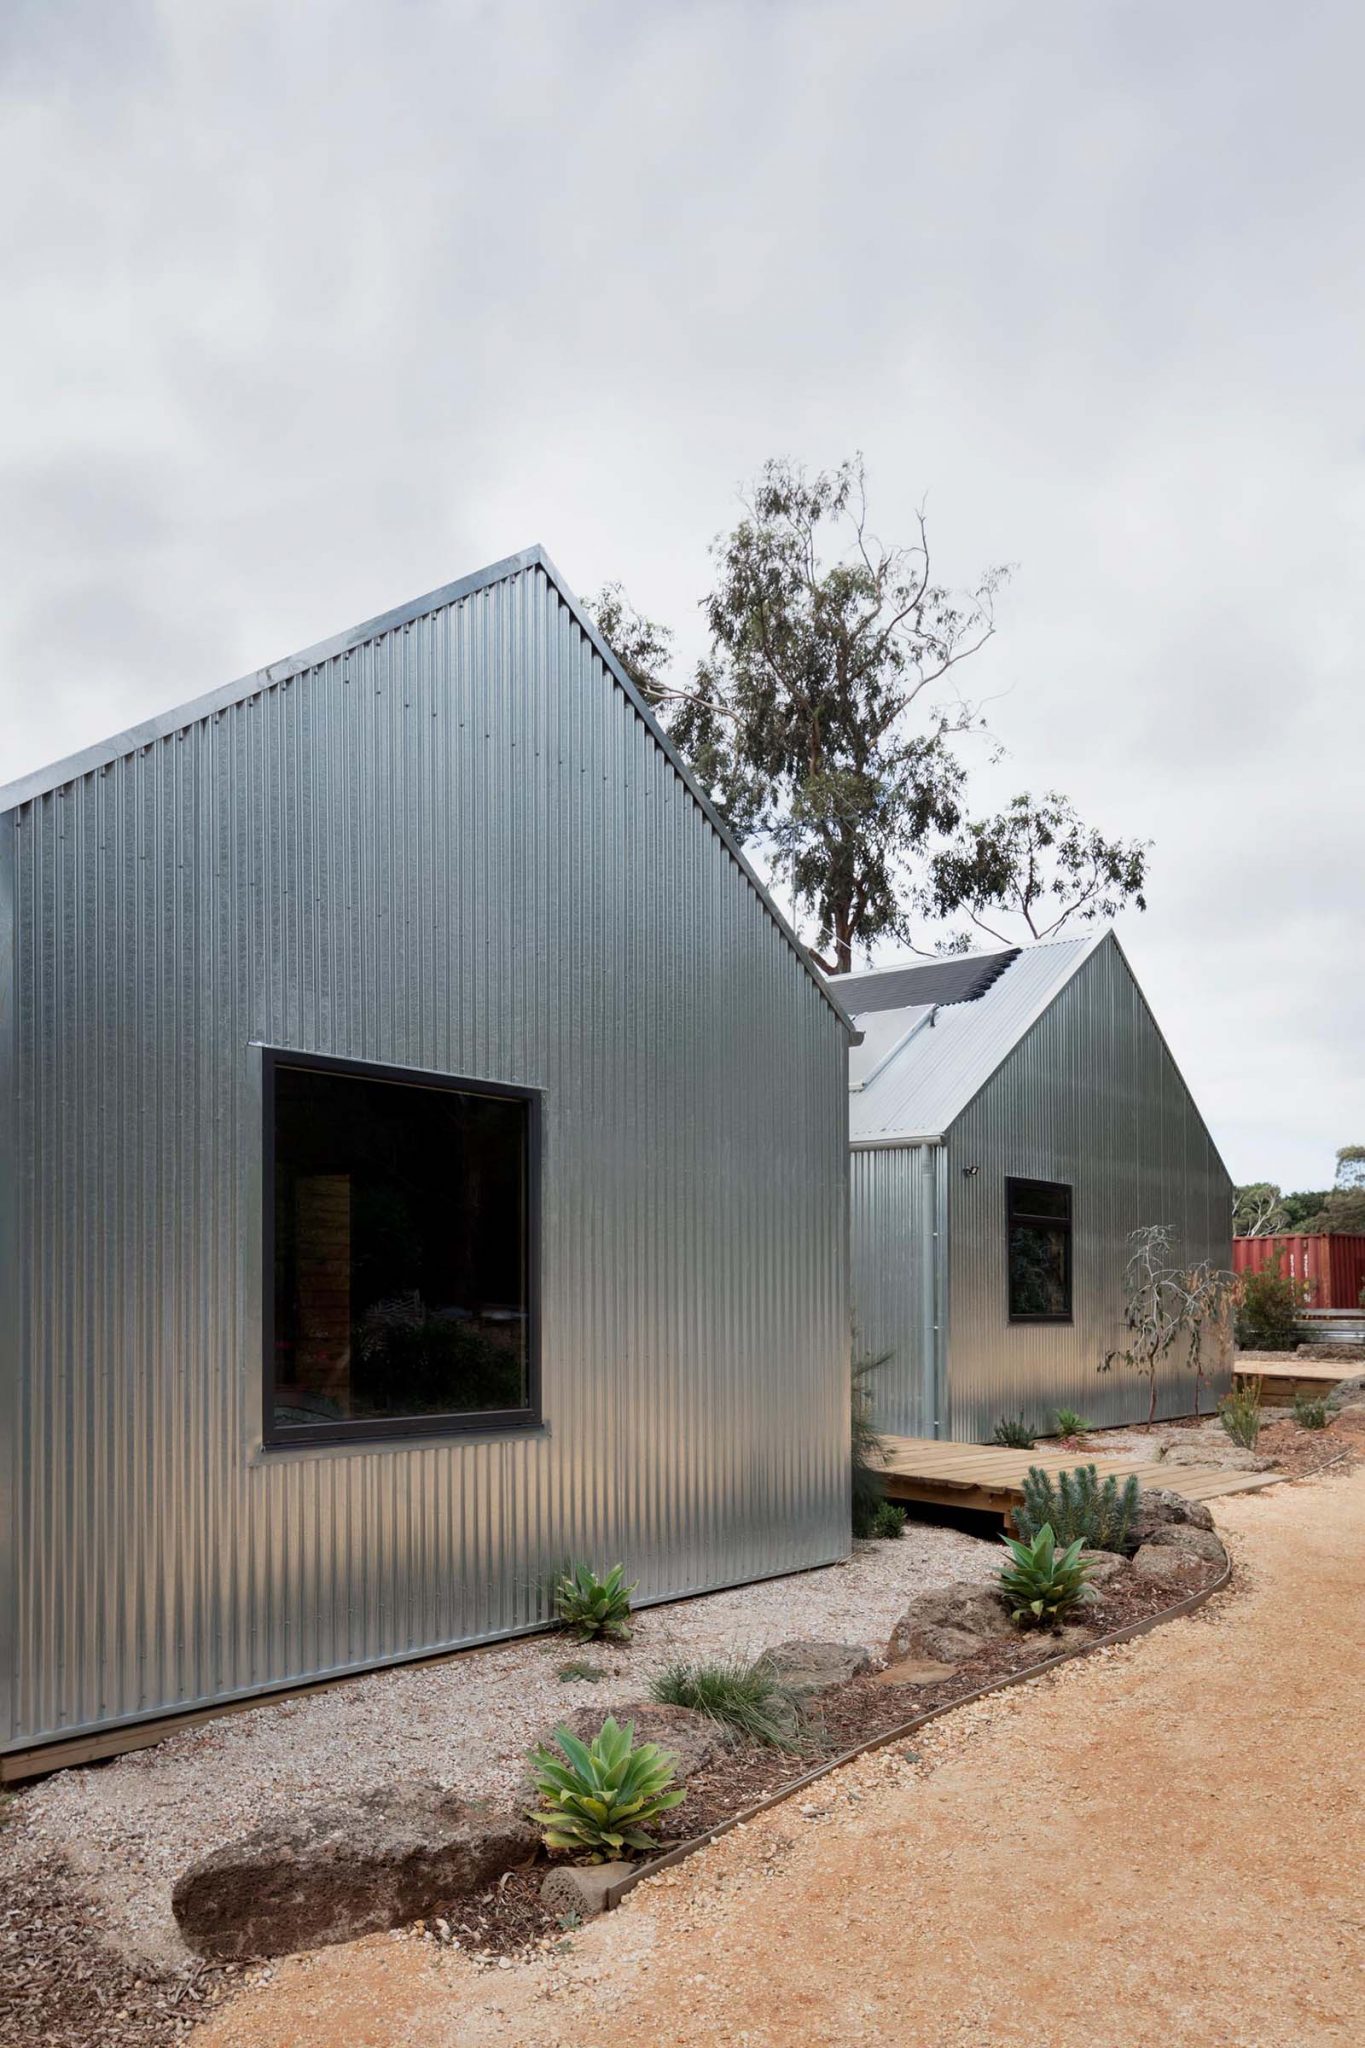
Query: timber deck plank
{"x": 991, "y": 1478}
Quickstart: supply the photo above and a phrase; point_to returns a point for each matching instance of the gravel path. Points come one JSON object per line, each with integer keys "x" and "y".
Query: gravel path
{"x": 130, "y": 1827}
{"x": 1158, "y": 1847}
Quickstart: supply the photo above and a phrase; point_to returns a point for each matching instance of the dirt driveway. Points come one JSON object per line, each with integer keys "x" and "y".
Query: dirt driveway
{"x": 1162, "y": 1844}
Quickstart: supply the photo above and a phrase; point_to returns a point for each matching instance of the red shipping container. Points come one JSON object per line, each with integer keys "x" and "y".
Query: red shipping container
{"x": 1333, "y": 1268}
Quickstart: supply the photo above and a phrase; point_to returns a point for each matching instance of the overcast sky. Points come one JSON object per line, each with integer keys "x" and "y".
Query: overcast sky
{"x": 310, "y": 308}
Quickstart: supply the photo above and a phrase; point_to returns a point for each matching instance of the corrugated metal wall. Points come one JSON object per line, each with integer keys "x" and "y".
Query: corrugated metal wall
{"x": 897, "y": 1210}
{"x": 1092, "y": 1096}
{"x": 455, "y": 847}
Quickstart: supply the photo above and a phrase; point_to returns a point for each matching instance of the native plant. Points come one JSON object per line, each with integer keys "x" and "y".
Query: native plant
{"x": 1268, "y": 1308}
{"x": 1079, "y": 1506}
{"x": 1169, "y": 1305}
{"x": 747, "y": 1697}
{"x": 1066, "y": 1422}
{"x": 869, "y": 1452}
{"x": 1012, "y": 1433}
{"x": 1311, "y": 1411}
{"x": 594, "y": 1607}
{"x": 1240, "y": 1413}
{"x": 600, "y": 1796}
{"x": 1041, "y": 1582}
{"x": 889, "y": 1521}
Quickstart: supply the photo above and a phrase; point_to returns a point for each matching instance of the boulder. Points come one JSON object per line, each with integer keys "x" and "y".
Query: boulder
{"x": 695, "y": 1739}
{"x": 804, "y": 1668}
{"x": 1199, "y": 1542}
{"x": 1159, "y": 1507}
{"x": 1164, "y": 1561}
{"x": 346, "y": 1869}
{"x": 1221, "y": 1451}
{"x": 950, "y": 1623}
{"x": 1348, "y": 1393}
{"x": 1105, "y": 1566}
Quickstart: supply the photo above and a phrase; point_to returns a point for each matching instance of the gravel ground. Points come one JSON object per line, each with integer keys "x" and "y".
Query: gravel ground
{"x": 1157, "y": 1847}
{"x": 127, "y": 1829}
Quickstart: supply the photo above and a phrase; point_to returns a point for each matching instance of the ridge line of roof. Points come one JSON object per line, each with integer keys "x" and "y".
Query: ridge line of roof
{"x": 56, "y": 775}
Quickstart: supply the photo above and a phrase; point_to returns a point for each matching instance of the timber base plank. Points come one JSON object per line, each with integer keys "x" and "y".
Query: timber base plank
{"x": 990, "y": 1479}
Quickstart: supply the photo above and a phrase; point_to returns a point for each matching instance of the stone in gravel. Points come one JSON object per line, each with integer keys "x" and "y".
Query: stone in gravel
{"x": 1179, "y": 1536}
{"x": 1348, "y": 1393}
{"x": 695, "y": 1739}
{"x": 351, "y": 1868}
{"x": 1159, "y": 1507}
{"x": 1104, "y": 1566}
{"x": 582, "y": 1888}
{"x": 1158, "y": 1561}
{"x": 950, "y": 1623}
{"x": 811, "y": 1667}
{"x": 915, "y": 1671}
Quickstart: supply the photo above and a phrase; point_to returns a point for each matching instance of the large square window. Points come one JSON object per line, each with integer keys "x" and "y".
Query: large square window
{"x": 399, "y": 1250}
{"x": 1038, "y": 1225}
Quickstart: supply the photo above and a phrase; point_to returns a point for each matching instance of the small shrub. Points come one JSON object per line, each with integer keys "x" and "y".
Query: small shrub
{"x": 1078, "y": 1507}
{"x": 600, "y": 1796}
{"x": 746, "y": 1697}
{"x": 1311, "y": 1411}
{"x": 1240, "y": 1414}
{"x": 594, "y": 1607}
{"x": 576, "y": 1669}
{"x": 868, "y": 1449}
{"x": 1013, "y": 1435}
{"x": 1042, "y": 1583}
{"x": 1268, "y": 1309}
{"x": 1066, "y": 1422}
{"x": 889, "y": 1521}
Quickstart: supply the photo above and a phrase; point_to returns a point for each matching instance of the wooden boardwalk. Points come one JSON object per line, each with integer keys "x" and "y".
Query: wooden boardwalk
{"x": 1282, "y": 1378}
{"x": 989, "y": 1479}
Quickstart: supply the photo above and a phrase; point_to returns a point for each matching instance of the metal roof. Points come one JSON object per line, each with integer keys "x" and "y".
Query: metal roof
{"x": 927, "y": 1061}
{"x": 43, "y": 781}
{"x": 958, "y": 978}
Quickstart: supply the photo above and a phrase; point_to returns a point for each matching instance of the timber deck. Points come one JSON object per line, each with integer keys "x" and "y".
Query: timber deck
{"x": 1282, "y": 1378}
{"x": 991, "y": 1480}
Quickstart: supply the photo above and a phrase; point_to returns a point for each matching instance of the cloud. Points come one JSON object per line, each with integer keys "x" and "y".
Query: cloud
{"x": 312, "y": 309}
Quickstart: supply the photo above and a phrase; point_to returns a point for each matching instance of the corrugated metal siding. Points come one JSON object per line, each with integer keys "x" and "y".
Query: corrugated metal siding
{"x": 453, "y": 847}
{"x": 1091, "y": 1096}
{"x": 898, "y": 1208}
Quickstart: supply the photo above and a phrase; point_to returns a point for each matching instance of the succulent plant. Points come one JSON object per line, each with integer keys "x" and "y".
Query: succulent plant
{"x": 1042, "y": 1583}
{"x": 594, "y": 1607}
{"x": 600, "y": 1796}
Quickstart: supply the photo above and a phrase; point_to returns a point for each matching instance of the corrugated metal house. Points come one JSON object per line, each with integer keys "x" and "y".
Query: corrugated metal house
{"x": 424, "y": 1158}
{"x": 1013, "y": 1117}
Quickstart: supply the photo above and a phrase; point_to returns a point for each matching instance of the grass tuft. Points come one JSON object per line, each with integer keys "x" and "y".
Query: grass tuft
{"x": 745, "y": 1697}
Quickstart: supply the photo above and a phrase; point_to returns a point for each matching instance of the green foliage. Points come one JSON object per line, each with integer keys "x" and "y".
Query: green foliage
{"x": 1258, "y": 1209}
{"x": 1268, "y": 1309}
{"x": 1042, "y": 1583}
{"x": 1078, "y": 1507}
{"x": 1311, "y": 1411}
{"x": 576, "y": 1669}
{"x": 869, "y": 1492}
{"x": 594, "y": 1607}
{"x": 1299, "y": 1206}
{"x": 889, "y": 1521}
{"x": 746, "y": 1697}
{"x": 1037, "y": 861}
{"x": 1013, "y": 1434}
{"x": 1240, "y": 1414}
{"x": 599, "y": 1797}
{"x": 1066, "y": 1422}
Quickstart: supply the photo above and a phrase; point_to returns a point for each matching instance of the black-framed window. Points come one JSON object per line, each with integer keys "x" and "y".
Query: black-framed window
{"x": 1038, "y": 1236}
{"x": 400, "y": 1252}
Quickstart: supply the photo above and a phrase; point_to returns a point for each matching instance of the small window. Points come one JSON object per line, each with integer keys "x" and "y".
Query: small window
{"x": 1039, "y": 1231}
{"x": 399, "y": 1252}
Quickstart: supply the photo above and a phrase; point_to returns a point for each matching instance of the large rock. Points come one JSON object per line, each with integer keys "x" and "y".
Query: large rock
{"x": 1159, "y": 1508}
{"x": 345, "y": 1869}
{"x": 1105, "y": 1567}
{"x": 1198, "y": 1542}
{"x": 804, "y": 1668}
{"x": 950, "y": 1623}
{"x": 1165, "y": 1561}
{"x": 695, "y": 1739}
{"x": 1348, "y": 1393}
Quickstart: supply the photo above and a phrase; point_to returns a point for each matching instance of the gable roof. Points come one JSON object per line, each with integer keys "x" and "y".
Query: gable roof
{"x": 89, "y": 760}
{"x": 922, "y": 1060}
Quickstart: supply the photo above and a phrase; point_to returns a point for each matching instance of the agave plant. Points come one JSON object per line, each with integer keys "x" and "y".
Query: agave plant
{"x": 594, "y": 1607}
{"x": 600, "y": 1796}
{"x": 1041, "y": 1582}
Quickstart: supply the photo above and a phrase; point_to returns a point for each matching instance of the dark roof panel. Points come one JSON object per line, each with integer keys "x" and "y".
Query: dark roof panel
{"x": 959, "y": 978}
